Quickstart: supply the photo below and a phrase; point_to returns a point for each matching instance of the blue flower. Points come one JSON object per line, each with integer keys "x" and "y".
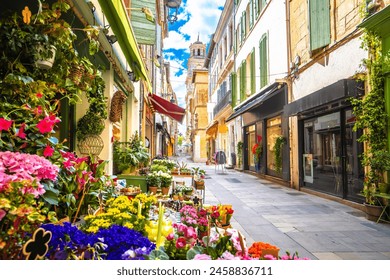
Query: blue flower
{"x": 116, "y": 243}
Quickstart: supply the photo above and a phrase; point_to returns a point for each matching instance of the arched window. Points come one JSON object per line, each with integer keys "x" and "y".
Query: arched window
{"x": 193, "y": 52}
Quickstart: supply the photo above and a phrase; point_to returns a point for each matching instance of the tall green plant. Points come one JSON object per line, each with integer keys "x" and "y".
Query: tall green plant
{"x": 372, "y": 118}
{"x": 279, "y": 142}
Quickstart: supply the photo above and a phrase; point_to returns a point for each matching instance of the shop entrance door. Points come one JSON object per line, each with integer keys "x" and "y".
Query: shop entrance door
{"x": 330, "y": 158}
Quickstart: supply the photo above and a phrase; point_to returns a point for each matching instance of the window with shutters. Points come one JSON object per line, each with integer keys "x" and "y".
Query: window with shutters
{"x": 319, "y": 23}
{"x": 242, "y": 80}
{"x": 263, "y": 54}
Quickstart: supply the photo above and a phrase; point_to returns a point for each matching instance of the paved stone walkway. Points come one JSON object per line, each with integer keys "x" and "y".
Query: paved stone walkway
{"x": 315, "y": 227}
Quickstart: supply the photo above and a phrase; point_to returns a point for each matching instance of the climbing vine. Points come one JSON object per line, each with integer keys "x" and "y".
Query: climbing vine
{"x": 371, "y": 116}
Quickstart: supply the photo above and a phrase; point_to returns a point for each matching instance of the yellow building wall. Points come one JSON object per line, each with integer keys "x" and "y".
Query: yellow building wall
{"x": 344, "y": 18}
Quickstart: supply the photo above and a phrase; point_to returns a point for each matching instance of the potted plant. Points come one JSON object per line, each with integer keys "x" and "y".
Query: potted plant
{"x": 153, "y": 181}
{"x": 165, "y": 180}
{"x": 130, "y": 155}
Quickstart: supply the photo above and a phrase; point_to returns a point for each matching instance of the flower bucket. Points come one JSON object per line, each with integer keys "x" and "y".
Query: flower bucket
{"x": 272, "y": 252}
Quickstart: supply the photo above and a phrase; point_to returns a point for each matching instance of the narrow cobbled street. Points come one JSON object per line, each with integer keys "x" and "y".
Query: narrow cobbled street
{"x": 295, "y": 221}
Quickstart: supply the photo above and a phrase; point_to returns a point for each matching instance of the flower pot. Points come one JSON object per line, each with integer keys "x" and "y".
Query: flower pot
{"x": 273, "y": 252}
{"x": 152, "y": 189}
{"x": 373, "y": 212}
{"x": 164, "y": 190}
{"x": 48, "y": 62}
{"x": 199, "y": 185}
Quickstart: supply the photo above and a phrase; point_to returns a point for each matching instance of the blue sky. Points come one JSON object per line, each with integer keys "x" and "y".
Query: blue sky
{"x": 195, "y": 17}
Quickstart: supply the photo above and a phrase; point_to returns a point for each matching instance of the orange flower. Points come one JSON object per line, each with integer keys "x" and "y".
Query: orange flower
{"x": 255, "y": 250}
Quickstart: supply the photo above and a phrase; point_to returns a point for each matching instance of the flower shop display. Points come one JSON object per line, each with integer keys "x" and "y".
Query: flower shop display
{"x": 23, "y": 178}
{"x": 183, "y": 189}
{"x": 113, "y": 243}
{"x": 131, "y": 213}
{"x": 257, "y": 151}
{"x": 221, "y": 214}
{"x": 131, "y": 155}
{"x": 170, "y": 164}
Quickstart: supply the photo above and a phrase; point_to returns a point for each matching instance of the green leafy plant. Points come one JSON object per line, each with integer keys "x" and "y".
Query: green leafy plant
{"x": 130, "y": 154}
{"x": 240, "y": 147}
{"x": 371, "y": 117}
{"x": 89, "y": 124}
{"x": 279, "y": 142}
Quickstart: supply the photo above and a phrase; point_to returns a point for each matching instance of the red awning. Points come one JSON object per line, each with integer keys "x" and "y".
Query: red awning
{"x": 165, "y": 107}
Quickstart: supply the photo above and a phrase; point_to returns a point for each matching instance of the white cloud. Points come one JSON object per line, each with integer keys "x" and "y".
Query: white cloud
{"x": 176, "y": 41}
{"x": 201, "y": 18}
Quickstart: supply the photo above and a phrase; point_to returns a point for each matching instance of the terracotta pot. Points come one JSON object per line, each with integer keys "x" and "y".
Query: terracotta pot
{"x": 165, "y": 190}
{"x": 152, "y": 189}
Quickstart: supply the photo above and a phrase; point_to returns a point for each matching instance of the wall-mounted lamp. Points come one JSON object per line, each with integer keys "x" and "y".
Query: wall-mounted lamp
{"x": 148, "y": 13}
{"x": 131, "y": 76}
{"x": 172, "y": 4}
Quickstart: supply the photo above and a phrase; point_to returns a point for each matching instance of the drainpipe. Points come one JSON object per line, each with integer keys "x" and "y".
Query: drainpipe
{"x": 290, "y": 99}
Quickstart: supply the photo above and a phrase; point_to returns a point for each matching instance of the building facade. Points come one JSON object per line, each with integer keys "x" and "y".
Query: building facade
{"x": 325, "y": 58}
{"x": 259, "y": 90}
{"x": 220, "y": 63}
{"x": 193, "y": 138}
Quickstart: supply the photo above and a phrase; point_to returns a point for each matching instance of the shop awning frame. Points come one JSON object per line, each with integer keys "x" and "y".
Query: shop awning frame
{"x": 119, "y": 22}
{"x": 167, "y": 108}
{"x": 261, "y": 97}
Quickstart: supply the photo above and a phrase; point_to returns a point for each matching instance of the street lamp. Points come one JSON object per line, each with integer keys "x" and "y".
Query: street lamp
{"x": 165, "y": 95}
{"x": 172, "y": 4}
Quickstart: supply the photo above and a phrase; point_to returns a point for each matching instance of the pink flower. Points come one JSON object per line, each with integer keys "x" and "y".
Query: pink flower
{"x": 269, "y": 257}
{"x": 38, "y": 110}
{"x": 180, "y": 242}
{"x": 45, "y": 125}
{"x": 68, "y": 164}
{"x": 228, "y": 256}
{"x": 202, "y": 257}
{"x": 21, "y": 133}
{"x": 190, "y": 233}
{"x": 48, "y": 152}
{"x": 170, "y": 236}
{"x": 39, "y": 95}
{"x": 5, "y": 124}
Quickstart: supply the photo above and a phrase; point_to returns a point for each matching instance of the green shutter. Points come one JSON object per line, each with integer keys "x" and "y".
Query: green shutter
{"x": 319, "y": 23}
{"x": 243, "y": 81}
{"x": 251, "y": 13}
{"x": 253, "y": 72}
{"x": 234, "y": 89}
{"x": 263, "y": 4}
{"x": 263, "y": 61}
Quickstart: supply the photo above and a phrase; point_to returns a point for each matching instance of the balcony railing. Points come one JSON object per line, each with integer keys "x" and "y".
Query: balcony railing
{"x": 226, "y": 100}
